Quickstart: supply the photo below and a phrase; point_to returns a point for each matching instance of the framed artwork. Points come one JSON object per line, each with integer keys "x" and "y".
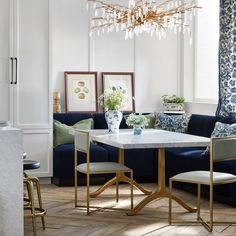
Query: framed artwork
{"x": 123, "y": 80}
{"x": 81, "y": 91}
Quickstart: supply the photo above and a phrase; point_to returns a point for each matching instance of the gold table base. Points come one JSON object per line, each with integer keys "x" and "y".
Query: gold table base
{"x": 119, "y": 178}
{"x": 161, "y": 191}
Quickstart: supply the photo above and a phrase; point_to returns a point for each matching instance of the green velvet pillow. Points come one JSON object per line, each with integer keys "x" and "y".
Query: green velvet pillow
{"x": 151, "y": 121}
{"x": 61, "y": 132}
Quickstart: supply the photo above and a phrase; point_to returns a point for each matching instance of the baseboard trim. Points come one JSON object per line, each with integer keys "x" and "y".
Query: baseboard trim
{"x": 45, "y": 180}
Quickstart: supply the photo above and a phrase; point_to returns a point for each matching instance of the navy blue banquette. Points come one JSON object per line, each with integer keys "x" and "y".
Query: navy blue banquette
{"x": 144, "y": 161}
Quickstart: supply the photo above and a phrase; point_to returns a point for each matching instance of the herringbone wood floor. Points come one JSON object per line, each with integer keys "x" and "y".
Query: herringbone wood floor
{"x": 63, "y": 219}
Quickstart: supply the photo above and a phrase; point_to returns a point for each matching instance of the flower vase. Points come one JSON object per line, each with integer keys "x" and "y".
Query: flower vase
{"x": 113, "y": 119}
{"x": 137, "y": 130}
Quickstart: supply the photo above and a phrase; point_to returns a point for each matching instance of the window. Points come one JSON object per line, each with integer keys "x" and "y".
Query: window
{"x": 206, "y": 51}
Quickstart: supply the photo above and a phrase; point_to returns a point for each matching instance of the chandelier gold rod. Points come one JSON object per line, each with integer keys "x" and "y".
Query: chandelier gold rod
{"x": 142, "y": 15}
{"x": 153, "y": 16}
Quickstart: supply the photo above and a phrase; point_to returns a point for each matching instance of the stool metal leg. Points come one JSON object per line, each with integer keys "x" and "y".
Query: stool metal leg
{"x": 37, "y": 184}
{"x": 30, "y": 188}
{"x": 35, "y": 211}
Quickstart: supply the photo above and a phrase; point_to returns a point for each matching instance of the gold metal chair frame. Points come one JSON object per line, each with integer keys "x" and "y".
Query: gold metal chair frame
{"x": 29, "y": 203}
{"x": 207, "y": 224}
{"x": 120, "y": 175}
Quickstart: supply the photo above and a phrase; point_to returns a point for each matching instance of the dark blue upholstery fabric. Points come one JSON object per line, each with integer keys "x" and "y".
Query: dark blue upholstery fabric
{"x": 226, "y": 120}
{"x": 201, "y": 125}
{"x": 180, "y": 160}
{"x": 99, "y": 121}
{"x": 63, "y": 159}
{"x": 140, "y": 160}
{"x": 186, "y": 151}
{"x": 123, "y": 125}
{"x": 70, "y": 118}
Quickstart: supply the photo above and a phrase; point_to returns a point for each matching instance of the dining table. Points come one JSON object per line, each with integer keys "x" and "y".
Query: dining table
{"x": 150, "y": 138}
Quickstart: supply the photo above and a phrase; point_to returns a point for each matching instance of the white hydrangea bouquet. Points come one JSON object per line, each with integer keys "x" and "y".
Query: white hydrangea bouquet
{"x": 137, "y": 120}
{"x": 113, "y": 99}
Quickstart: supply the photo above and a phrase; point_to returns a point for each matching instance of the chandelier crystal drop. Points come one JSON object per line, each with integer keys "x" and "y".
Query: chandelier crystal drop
{"x": 152, "y": 16}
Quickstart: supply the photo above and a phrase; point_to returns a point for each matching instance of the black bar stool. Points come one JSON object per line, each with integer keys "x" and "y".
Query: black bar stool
{"x": 29, "y": 202}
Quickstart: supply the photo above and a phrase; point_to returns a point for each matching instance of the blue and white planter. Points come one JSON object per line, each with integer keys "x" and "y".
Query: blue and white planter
{"x": 137, "y": 130}
{"x": 113, "y": 119}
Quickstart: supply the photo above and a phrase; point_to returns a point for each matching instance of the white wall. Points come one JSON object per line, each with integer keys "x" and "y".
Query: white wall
{"x": 155, "y": 69}
{"x": 200, "y": 108}
{"x": 69, "y": 40}
{"x": 154, "y": 62}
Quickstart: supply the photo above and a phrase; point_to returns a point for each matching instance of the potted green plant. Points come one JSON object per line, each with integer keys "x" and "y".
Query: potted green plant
{"x": 138, "y": 122}
{"x": 113, "y": 100}
{"x": 173, "y": 102}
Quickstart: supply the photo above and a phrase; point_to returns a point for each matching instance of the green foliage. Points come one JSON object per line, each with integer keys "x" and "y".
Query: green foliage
{"x": 172, "y": 99}
{"x": 137, "y": 120}
{"x": 113, "y": 99}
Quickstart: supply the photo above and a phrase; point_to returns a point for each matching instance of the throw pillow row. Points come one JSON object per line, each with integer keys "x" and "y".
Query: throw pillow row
{"x": 62, "y": 133}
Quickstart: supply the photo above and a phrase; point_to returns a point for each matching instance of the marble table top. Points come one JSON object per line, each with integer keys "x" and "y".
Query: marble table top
{"x": 150, "y": 138}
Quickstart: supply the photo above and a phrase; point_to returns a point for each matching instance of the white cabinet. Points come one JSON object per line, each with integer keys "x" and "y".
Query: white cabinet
{"x": 6, "y": 63}
{"x": 25, "y": 87}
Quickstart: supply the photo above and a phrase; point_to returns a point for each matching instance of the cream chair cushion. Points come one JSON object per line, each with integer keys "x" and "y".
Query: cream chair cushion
{"x": 203, "y": 177}
{"x": 102, "y": 167}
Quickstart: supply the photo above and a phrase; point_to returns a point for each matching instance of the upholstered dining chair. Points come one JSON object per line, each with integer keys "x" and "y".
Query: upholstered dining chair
{"x": 221, "y": 149}
{"x": 82, "y": 145}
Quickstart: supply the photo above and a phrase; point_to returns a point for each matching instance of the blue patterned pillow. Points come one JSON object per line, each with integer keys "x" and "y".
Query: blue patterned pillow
{"x": 221, "y": 130}
{"x": 174, "y": 123}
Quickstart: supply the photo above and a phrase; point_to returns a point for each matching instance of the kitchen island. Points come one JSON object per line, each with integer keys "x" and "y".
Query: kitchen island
{"x": 11, "y": 182}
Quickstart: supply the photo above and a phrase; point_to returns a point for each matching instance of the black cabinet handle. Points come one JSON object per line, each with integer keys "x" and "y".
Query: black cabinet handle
{"x": 11, "y": 70}
{"x": 16, "y": 69}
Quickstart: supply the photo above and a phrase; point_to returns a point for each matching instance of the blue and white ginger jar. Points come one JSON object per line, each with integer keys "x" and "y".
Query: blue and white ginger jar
{"x": 113, "y": 119}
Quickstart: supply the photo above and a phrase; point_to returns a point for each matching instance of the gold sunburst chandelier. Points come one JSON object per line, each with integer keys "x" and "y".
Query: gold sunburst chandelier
{"x": 151, "y": 16}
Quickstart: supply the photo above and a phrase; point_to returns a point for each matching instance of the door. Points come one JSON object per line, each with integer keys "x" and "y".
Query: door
{"x": 33, "y": 85}
{"x": 7, "y": 66}
{"x": 33, "y": 97}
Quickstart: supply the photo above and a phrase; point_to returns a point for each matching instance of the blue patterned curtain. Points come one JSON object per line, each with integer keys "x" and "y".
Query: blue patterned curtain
{"x": 227, "y": 58}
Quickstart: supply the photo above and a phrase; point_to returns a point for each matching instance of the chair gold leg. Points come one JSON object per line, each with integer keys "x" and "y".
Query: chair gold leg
{"x": 198, "y": 201}
{"x": 170, "y": 201}
{"x": 117, "y": 191}
{"x": 76, "y": 181}
{"x": 211, "y": 208}
{"x": 76, "y": 190}
{"x": 132, "y": 191}
{"x": 88, "y": 183}
{"x": 209, "y": 225}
